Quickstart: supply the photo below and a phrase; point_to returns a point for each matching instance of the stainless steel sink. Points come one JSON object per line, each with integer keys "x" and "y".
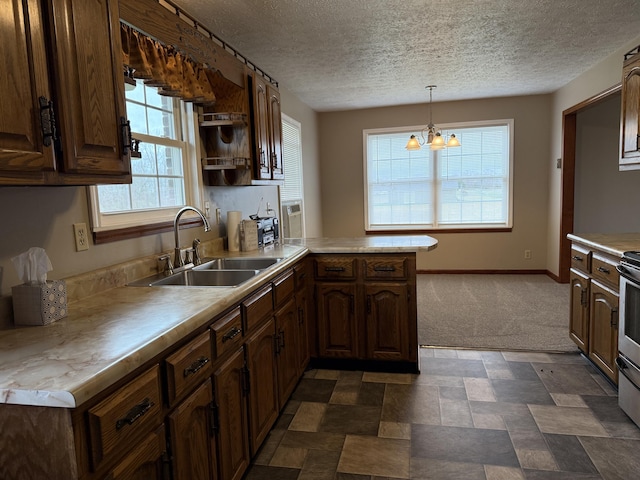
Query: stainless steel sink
{"x": 238, "y": 264}
{"x": 199, "y": 278}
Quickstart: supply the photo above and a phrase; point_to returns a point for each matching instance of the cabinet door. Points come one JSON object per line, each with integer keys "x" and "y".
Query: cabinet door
{"x": 630, "y": 128}
{"x": 261, "y": 128}
{"x": 192, "y": 441}
{"x": 144, "y": 461}
{"x": 387, "y": 321}
{"x": 336, "y": 320}
{"x": 579, "y": 309}
{"x": 23, "y": 81}
{"x": 263, "y": 395}
{"x": 603, "y": 330}
{"x": 287, "y": 350}
{"x": 90, "y": 87}
{"x": 304, "y": 354}
{"x": 233, "y": 427}
{"x": 275, "y": 134}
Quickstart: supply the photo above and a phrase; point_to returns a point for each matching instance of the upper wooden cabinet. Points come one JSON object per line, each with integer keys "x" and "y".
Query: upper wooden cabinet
{"x": 630, "y": 121}
{"x": 62, "y": 120}
{"x": 267, "y": 129}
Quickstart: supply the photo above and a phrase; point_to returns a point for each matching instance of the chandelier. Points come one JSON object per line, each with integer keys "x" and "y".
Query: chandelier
{"x": 434, "y": 137}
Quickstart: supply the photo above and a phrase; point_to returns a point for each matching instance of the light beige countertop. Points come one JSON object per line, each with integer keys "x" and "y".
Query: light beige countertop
{"x": 612, "y": 243}
{"x": 108, "y": 335}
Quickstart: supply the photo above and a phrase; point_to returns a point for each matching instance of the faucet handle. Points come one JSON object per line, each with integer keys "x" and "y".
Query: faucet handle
{"x": 164, "y": 264}
{"x": 196, "y": 254}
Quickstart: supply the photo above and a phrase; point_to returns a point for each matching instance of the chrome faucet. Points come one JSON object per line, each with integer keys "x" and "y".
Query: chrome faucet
{"x": 178, "y": 261}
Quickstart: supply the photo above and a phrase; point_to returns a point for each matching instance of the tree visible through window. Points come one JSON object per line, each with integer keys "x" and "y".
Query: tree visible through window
{"x": 461, "y": 187}
{"x": 158, "y": 177}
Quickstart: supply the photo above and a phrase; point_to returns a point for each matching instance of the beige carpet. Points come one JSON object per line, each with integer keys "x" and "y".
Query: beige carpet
{"x": 505, "y": 312}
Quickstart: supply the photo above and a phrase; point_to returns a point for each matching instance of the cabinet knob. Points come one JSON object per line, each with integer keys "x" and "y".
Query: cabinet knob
{"x": 577, "y": 258}
{"x": 606, "y": 271}
{"x": 135, "y": 413}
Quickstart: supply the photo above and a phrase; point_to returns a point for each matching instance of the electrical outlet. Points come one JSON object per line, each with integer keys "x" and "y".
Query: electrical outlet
{"x": 527, "y": 254}
{"x": 81, "y": 236}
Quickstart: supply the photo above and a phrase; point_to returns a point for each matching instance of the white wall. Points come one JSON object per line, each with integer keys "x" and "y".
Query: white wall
{"x": 595, "y": 80}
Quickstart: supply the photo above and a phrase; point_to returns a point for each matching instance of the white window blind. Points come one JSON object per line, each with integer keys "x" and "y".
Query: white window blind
{"x": 462, "y": 187}
{"x": 292, "y": 159}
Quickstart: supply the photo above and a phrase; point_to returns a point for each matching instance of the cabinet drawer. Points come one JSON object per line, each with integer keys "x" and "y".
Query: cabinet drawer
{"x": 189, "y": 366}
{"x": 283, "y": 287}
{"x": 227, "y": 332}
{"x": 580, "y": 258}
{"x": 125, "y": 416}
{"x": 335, "y": 267}
{"x": 604, "y": 270}
{"x": 380, "y": 268}
{"x": 257, "y": 307}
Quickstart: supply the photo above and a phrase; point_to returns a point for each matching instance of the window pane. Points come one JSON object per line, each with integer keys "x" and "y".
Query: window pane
{"x": 113, "y": 198}
{"x": 171, "y": 192}
{"x": 160, "y": 123}
{"x": 144, "y": 193}
{"x": 137, "y": 116}
{"x": 169, "y": 160}
{"x": 146, "y": 165}
{"x": 466, "y": 185}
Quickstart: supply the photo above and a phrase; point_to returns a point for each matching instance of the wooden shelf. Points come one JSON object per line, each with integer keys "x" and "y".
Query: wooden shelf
{"x": 226, "y": 163}
{"x": 233, "y": 119}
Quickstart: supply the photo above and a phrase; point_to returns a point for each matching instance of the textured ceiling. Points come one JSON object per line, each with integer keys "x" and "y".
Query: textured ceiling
{"x": 346, "y": 54}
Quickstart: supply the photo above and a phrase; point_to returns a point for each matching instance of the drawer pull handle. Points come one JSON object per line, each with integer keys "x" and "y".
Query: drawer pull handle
{"x": 334, "y": 269}
{"x": 135, "y": 413}
{"x": 577, "y": 258}
{"x": 606, "y": 271}
{"x": 195, "y": 366}
{"x": 234, "y": 332}
{"x": 384, "y": 268}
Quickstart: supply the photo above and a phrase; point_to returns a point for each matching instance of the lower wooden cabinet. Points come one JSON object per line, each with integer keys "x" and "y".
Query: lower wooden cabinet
{"x": 145, "y": 461}
{"x": 192, "y": 437}
{"x": 594, "y": 300}
{"x": 365, "y": 309}
{"x": 263, "y": 395}
{"x": 603, "y": 329}
{"x": 336, "y": 320}
{"x": 231, "y": 421}
{"x": 387, "y": 321}
{"x": 579, "y": 309}
{"x": 287, "y": 350}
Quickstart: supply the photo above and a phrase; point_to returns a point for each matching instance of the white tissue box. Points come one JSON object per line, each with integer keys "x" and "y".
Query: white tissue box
{"x": 39, "y": 304}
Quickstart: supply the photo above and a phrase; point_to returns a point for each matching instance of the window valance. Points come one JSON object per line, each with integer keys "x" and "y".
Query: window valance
{"x": 163, "y": 66}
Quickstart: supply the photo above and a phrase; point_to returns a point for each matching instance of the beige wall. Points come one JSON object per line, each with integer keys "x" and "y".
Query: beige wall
{"x": 595, "y": 80}
{"x": 308, "y": 119}
{"x": 343, "y": 191}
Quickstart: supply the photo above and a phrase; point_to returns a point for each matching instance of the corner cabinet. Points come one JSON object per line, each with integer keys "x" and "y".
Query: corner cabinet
{"x": 63, "y": 120}
{"x": 630, "y": 119}
{"x": 366, "y": 311}
{"x": 594, "y": 299}
{"x": 267, "y": 129}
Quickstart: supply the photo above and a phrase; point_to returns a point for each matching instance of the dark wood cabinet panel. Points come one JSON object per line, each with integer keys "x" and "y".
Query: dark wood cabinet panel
{"x": 193, "y": 447}
{"x": 630, "y": 122}
{"x": 336, "y": 320}
{"x": 603, "y": 329}
{"x": 387, "y": 321}
{"x": 233, "y": 426}
{"x": 579, "y": 309}
{"x": 287, "y": 350}
{"x": 145, "y": 461}
{"x": 263, "y": 398}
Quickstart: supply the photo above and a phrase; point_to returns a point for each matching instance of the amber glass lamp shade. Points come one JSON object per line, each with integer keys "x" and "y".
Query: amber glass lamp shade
{"x": 453, "y": 141}
{"x": 413, "y": 143}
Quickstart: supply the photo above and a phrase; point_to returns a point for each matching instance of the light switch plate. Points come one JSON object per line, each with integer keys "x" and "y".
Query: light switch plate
{"x": 81, "y": 236}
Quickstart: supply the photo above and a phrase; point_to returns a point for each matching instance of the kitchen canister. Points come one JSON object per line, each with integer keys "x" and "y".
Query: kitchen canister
{"x": 234, "y": 218}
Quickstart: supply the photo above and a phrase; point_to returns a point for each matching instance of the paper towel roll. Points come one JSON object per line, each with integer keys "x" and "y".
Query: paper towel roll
{"x": 234, "y": 218}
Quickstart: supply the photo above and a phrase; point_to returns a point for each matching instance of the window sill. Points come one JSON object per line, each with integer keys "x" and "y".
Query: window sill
{"x": 439, "y": 231}
{"x": 116, "y": 234}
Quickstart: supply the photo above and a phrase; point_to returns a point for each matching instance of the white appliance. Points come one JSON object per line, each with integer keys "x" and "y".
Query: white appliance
{"x": 292, "y": 222}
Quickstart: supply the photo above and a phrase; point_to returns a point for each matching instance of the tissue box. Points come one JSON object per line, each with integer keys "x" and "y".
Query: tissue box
{"x": 39, "y": 304}
{"x": 248, "y": 235}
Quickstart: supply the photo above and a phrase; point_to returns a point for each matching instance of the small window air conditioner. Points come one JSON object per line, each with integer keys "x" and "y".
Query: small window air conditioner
{"x": 292, "y": 220}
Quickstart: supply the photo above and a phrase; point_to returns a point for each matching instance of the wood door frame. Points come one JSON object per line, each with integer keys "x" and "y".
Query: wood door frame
{"x": 569, "y": 137}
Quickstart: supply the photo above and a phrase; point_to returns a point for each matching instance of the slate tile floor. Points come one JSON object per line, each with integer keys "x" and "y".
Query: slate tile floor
{"x": 469, "y": 415}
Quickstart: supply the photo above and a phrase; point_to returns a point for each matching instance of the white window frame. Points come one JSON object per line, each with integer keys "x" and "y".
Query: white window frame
{"x": 436, "y": 226}
{"x": 194, "y": 194}
{"x": 299, "y": 166}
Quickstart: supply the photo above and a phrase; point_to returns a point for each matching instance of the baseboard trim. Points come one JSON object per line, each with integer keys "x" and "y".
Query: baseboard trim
{"x": 549, "y": 274}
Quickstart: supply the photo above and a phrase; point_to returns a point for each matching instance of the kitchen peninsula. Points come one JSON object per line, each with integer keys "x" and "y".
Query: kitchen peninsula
{"x": 100, "y": 392}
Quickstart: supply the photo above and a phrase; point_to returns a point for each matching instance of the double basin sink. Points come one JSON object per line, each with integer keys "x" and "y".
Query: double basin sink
{"x": 216, "y": 272}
